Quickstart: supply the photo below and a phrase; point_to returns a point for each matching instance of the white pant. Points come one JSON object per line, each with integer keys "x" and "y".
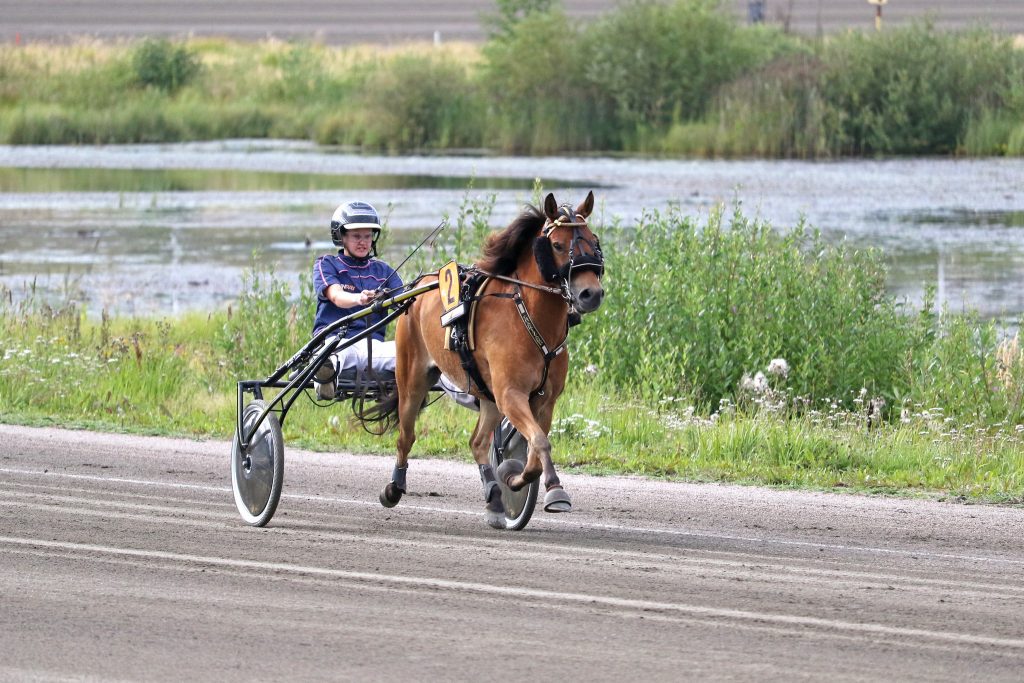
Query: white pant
{"x": 382, "y": 356}
{"x": 458, "y": 395}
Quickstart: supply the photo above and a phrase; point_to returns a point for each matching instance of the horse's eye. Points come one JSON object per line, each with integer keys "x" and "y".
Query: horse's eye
{"x": 559, "y": 247}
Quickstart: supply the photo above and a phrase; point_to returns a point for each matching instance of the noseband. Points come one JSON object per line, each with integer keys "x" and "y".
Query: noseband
{"x": 544, "y": 253}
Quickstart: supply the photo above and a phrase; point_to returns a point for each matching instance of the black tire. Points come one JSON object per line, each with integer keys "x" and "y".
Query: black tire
{"x": 519, "y": 504}
{"x": 257, "y": 475}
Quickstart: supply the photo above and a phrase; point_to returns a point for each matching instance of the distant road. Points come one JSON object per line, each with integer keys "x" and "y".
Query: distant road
{"x": 390, "y": 21}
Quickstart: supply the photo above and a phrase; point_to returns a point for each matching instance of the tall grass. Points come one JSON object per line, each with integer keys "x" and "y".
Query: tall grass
{"x": 697, "y": 309}
{"x": 706, "y": 302}
{"x": 668, "y": 77}
{"x": 677, "y": 375}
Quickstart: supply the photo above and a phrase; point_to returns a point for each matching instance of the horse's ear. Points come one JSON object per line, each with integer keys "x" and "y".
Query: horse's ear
{"x": 587, "y": 206}
{"x": 551, "y": 206}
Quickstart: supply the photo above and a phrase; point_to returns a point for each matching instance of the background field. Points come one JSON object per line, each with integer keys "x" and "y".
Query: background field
{"x": 383, "y": 21}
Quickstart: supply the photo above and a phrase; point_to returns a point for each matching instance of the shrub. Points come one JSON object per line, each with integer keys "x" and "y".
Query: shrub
{"x": 162, "y": 65}
{"x": 690, "y": 309}
{"x": 510, "y": 12}
{"x": 533, "y": 79}
{"x": 268, "y": 326}
{"x": 777, "y": 111}
{"x": 659, "y": 62}
{"x": 914, "y": 90}
{"x": 412, "y": 102}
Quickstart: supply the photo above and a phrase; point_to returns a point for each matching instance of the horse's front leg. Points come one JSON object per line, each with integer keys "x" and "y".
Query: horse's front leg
{"x": 556, "y": 499}
{"x": 516, "y": 406}
{"x": 480, "y": 443}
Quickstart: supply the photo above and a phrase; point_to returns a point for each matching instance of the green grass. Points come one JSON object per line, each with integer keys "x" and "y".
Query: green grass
{"x": 151, "y": 382}
{"x": 674, "y": 377}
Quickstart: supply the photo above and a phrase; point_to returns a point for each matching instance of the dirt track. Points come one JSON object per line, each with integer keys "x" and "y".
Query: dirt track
{"x": 384, "y": 21}
{"x": 123, "y": 558}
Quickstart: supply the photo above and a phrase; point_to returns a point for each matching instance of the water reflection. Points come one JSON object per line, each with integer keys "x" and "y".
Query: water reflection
{"x": 50, "y": 180}
{"x": 148, "y": 229}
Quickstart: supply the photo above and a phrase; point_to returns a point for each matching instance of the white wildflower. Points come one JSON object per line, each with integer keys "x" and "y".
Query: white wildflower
{"x": 779, "y": 368}
{"x": 760, "y": 383}
{"x": 590, "y": 369}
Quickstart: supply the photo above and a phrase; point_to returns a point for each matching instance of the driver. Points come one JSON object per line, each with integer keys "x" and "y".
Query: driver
{"x": 346, "y": 283}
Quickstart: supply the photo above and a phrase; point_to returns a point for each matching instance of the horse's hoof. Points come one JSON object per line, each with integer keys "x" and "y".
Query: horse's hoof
{"x": 495, "y": 520}
{"x": 557, "y": 500}
{"x": 495, "y": 511}
{"x": 390, "y": 496}
{"x": 508, "y": 469}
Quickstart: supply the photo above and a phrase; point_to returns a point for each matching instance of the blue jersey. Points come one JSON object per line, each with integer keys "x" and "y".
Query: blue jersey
{"x": 353, "y": 275}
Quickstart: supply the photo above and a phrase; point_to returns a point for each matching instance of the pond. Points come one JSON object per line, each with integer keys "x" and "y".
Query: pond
{"x": 155, "y": 229}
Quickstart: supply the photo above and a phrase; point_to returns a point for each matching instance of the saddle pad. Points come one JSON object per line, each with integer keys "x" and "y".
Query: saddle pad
{"x": 469, "y": 320}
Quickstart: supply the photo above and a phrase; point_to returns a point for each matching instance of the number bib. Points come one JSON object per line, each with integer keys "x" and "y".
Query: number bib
{"x": 451, "y": 300}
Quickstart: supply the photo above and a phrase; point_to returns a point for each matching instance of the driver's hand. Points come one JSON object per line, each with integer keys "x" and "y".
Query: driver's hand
{"x": 366, "y": 297}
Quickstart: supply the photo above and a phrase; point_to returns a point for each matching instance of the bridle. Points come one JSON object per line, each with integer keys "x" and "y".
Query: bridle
{"x": 544, "y": 253}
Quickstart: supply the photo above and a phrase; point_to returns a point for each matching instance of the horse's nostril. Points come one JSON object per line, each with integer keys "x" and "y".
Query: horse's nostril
{"x": 590, "y": 298}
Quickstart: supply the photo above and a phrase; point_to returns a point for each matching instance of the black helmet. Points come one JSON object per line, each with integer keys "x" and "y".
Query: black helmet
{"x": 353, "y": 216}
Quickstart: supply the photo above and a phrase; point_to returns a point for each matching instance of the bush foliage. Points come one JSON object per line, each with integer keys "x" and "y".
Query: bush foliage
{"x": 666, "y": 76}
{"x": 158, "y": 63}
{"x": 719, "y": 300}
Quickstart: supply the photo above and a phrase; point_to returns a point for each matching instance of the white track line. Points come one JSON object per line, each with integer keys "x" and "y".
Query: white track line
{"x": 751, "y": 565}
{"x": 548, "y": 597}
{"x": 548, "y": 520}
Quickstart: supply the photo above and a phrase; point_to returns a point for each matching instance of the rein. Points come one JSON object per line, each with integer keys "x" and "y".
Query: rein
{"x": 543, "y": 288}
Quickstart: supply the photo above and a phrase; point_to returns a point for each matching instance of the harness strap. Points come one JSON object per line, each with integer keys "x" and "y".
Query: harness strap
{"x": 538, "y": 339}
{"x": 535, "y": 334}
{"x": 469, "y": 365}
{"x": 473, "y": 375}
{"x": 461, "y": 333}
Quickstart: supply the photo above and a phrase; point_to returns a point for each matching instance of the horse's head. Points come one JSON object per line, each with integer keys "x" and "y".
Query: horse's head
{"x": 568, "y": 253}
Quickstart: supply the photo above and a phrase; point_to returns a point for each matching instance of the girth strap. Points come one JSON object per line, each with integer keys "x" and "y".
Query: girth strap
{"x": 473, "y": 373}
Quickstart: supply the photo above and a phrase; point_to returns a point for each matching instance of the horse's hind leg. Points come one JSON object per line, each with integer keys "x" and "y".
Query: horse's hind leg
{"x": 480, "y": 442}
{"x": 412, "y": 390}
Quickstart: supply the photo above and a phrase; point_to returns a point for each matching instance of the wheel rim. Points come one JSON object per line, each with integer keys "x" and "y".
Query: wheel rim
{"x": 518, "y": 504}
{"x": 256, "y": 470}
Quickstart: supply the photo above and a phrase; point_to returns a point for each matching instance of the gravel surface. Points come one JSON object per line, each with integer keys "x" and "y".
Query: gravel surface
{"x": 124, "y": 558}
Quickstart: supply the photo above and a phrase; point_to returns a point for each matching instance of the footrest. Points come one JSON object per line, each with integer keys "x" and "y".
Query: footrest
{"x": 353, "y": 381}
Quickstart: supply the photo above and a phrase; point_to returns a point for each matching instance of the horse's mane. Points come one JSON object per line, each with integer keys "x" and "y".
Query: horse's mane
{"x": 502, "y": 249}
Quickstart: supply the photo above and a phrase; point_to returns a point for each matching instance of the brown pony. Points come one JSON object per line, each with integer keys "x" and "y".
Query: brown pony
{"x": 545, "y": 268}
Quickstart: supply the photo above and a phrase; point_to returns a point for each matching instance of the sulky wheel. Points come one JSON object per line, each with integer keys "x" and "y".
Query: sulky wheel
{"x": 518, "y": 504}
{"x": 258, "y": 473}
